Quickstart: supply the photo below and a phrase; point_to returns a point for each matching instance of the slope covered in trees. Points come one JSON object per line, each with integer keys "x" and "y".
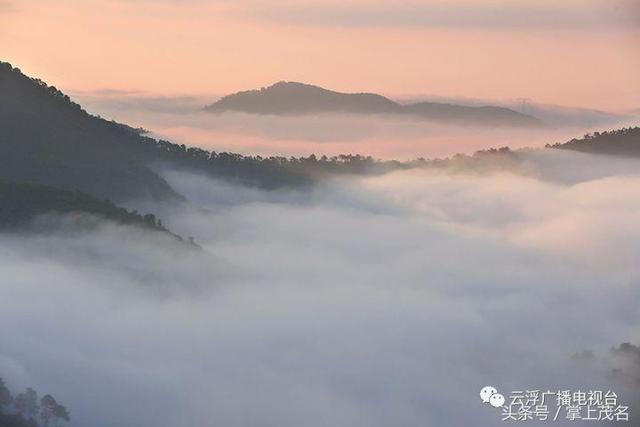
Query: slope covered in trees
{"x": 286, "y": 98}
{"x": 20, "y": 203}
{"x": 27, "y": 410}
{"x": 621, "y": 142}
{"x": 45, "y": 138}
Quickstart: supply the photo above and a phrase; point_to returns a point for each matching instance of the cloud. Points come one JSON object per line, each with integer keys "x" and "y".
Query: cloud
{"x": 485, "y": 15}
{"x": 366, "y": 302}
{"x": 131, "y": 104}
{"x": 107, "y": 93}
{"x": 7, "y": 6}
{"x": 181, "y": 119}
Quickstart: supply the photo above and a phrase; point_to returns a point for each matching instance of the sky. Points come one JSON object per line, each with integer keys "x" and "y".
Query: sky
{"x": 575, "y": 52}
{"x": 362, "y": 301}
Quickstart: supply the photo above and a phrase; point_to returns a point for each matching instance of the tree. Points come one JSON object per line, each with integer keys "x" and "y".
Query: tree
{"x": 26, "y": 404}
{"x": 150, "y": 219}
{"x": 50, "y": 410}
{"x": 47, "y": 407}
{"x": 61, "y": 413}
{"x": 5, "y": 396}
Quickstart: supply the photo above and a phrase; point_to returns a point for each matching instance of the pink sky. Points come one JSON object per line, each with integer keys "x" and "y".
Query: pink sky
{"x": 571, "y": 52}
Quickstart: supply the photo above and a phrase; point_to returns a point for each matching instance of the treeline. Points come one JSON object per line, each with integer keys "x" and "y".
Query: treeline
{"x": 129, "y": 142}
{"x": 267, "y": 172}
{"x": 27, "y": 410}
{"x": 625, "y": 141}
{"x": 47, "y": 138}
{"x": 99, "y": 143}
{"x": 64, "y": 100}
{"x": 21, "y": 202}
{"x": 45, "y": 133}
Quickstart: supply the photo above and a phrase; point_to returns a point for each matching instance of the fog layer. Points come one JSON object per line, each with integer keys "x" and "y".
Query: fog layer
{"x": 181, "y": 119}
{"x": 386, "y": 301}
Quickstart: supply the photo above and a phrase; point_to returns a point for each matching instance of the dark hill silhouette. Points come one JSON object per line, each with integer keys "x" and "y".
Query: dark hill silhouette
{"x": 47, "y": 139}
{"x": 11, "y": 420}
{"x": 300, "y": 98}
{"x": 20, "y": 203}
{"x": 486, "y": 115}
{"x": 621, "y": 142}
{"x": 289, "y": 98}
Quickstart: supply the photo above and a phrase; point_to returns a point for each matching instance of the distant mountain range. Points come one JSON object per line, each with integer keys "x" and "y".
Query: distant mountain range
{"x": 291, "y": 98}
{"x": 56, "y": 157}
{"x": 47, "y": 139}
{"x": 560, "y": 116}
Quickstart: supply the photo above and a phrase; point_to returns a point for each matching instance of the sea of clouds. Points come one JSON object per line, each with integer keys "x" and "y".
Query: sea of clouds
{"x": 181, "y": 119}
{"x": 364, "y": 302}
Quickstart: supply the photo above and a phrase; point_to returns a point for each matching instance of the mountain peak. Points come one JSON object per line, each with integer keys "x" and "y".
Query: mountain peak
{"x": 48, "y": 139}
{"x": 288, "y": 98}
{"x": 295, "y": 98}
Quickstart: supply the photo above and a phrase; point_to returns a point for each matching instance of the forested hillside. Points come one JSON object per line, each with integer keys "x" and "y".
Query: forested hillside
{"x": 20, "y": 203}
{"x": 46, "y": 138}
{"x": 27, "y": 410}
{"x": 621, "y": 142}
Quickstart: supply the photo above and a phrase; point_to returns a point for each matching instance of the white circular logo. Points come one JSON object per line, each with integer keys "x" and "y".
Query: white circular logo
{"x": 496, "y": 400}
{"x": 487, "y": 392}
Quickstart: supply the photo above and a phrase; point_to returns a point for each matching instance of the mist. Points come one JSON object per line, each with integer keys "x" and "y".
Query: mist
{"x": 374, "y": 301}
{"x": 182, "y": 120}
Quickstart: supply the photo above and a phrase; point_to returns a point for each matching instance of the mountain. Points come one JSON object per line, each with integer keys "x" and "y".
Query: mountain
{"x": 13, "y": 420}
{"x": 485, "y": 115}
{"x": 621, "y": 142}
{"x": 47, "y": 139}
{"x": 299, "y": 98}
{"x": 21, "y": 203}
{"x": 290, "y": 98}
{"x": 562, "y": 116}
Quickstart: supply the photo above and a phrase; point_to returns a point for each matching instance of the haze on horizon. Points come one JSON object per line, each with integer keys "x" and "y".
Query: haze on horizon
{"x": 578, "y": 53}
{"x": 310, "y": 292}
